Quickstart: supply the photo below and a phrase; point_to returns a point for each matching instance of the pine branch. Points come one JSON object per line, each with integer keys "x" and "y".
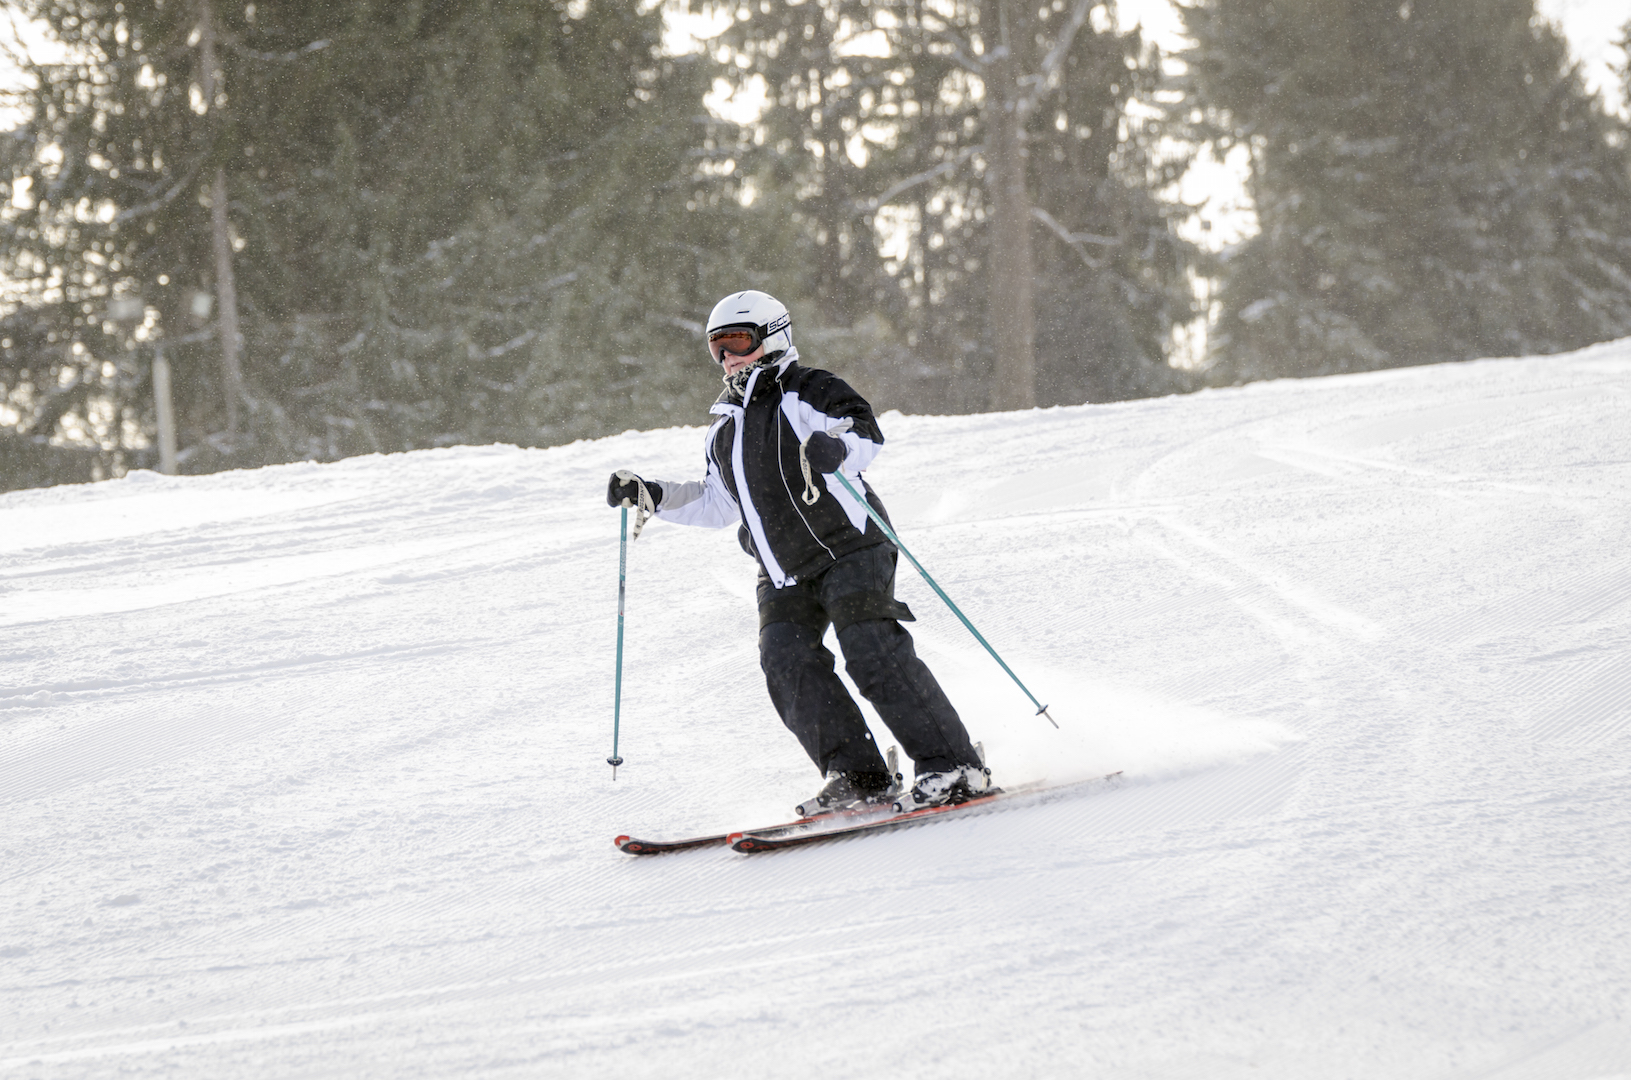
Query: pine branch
{"x": 163, "y": 200}
{"x": 1075, "y": 240}
{"x": 1050, "y": 63}
{"x": 279, "y": 58}
{"x": 890, "y": 193}
{"x": 960, "y": 49}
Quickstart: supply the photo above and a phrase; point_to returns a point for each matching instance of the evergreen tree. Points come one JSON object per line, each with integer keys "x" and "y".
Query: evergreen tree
{"x": 1625, "y": 70}
{"x": 889, "y": 122}
{"x": 1432, "y": 182}
{"x": 452, "y": 222}
{"x": 1112, "y": 276}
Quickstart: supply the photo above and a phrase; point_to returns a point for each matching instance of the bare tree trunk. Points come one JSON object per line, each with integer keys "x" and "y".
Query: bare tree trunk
{"x": 163, "y": 404}
{"x": 1010, "y": 315}
{"x": 226, "y": 292}
{"x": 226, "y": 288}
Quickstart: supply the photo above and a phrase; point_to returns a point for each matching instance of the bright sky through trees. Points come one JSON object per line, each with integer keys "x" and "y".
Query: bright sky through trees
{"x": 1592, "y": 28}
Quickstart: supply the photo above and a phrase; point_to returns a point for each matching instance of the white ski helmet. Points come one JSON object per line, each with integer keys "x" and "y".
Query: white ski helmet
{"x": 765, "y": 319}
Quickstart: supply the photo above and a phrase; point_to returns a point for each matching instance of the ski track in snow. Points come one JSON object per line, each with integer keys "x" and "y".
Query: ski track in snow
{"x": 301, "y": 768}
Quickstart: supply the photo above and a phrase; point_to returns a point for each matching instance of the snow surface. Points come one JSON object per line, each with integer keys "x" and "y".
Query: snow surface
{"x": 301, "y": 769}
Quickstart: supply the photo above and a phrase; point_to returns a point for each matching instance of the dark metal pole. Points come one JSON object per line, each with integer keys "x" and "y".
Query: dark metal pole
{"x": 617, "y": 695}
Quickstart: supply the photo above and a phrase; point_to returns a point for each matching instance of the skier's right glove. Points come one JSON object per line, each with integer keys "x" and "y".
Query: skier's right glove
{"x": 619, "y": 490}
{"x": 824, "y": 452}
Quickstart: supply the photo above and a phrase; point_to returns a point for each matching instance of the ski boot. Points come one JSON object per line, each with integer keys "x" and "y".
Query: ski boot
{"x": 853, "y": 791}
{"x": 956, "y": 785}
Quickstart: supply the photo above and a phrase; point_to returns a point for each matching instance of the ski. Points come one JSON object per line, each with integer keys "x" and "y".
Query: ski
{"x": 796, "y": 834}
{"x": 633, "y": 846}
{"x": 630, "y": 845}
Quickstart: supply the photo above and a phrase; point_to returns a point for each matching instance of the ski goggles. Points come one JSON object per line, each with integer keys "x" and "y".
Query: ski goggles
{"x": 736, "y": 340}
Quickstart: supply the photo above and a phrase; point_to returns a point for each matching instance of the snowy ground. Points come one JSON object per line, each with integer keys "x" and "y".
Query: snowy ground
{"x": 301, "y": 769}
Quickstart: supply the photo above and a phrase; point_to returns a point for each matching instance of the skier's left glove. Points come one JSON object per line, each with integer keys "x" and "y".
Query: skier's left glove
{"x": 824, "y": 452}
{"x": 620, "y": 492}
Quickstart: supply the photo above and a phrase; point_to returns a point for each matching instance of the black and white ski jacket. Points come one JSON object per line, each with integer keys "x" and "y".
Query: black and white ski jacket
{"x": 754, "y": 479}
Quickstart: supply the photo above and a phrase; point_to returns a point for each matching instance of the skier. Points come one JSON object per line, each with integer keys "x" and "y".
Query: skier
{"x": 821, "y": 560}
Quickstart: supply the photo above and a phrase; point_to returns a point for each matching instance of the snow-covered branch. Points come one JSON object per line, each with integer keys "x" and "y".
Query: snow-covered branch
{"x": 1044, "y": 75}
{"x": 1075, "y": 240}
{"x": 896, "y": 189}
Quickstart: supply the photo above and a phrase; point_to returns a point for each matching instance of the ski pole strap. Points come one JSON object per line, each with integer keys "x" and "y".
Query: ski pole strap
{"x": 644, "y": 508}
{"x": 1041, "y": 709}
{"x": 812, "y": 494}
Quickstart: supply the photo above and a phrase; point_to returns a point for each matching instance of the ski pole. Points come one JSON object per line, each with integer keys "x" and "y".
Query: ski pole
{"x": 1041, "y": 709}
{"x": 644, "y": 508}
{"x": 617, "y": 694}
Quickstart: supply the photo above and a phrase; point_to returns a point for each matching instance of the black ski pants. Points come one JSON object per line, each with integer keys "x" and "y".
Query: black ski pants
{"x": 856, "y": 594}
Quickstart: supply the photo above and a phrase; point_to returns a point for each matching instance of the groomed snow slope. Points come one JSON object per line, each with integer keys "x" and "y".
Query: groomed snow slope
{"x": 301, "y": 769}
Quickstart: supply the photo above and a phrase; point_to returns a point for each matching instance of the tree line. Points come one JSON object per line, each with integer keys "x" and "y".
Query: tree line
{"x": 392, "y": 224}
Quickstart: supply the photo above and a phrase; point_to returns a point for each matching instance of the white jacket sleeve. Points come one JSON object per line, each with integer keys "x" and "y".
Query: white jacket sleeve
{"x": 805, "y": 420}
{"x": 706, "y": 502}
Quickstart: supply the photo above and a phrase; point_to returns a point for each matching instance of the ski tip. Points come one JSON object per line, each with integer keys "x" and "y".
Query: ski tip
{"x": 629, "y": 846}
{"x": 745, "y": 842}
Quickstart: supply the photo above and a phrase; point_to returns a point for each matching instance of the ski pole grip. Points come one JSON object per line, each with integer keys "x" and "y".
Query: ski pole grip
{"x": 643, "y": 504}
